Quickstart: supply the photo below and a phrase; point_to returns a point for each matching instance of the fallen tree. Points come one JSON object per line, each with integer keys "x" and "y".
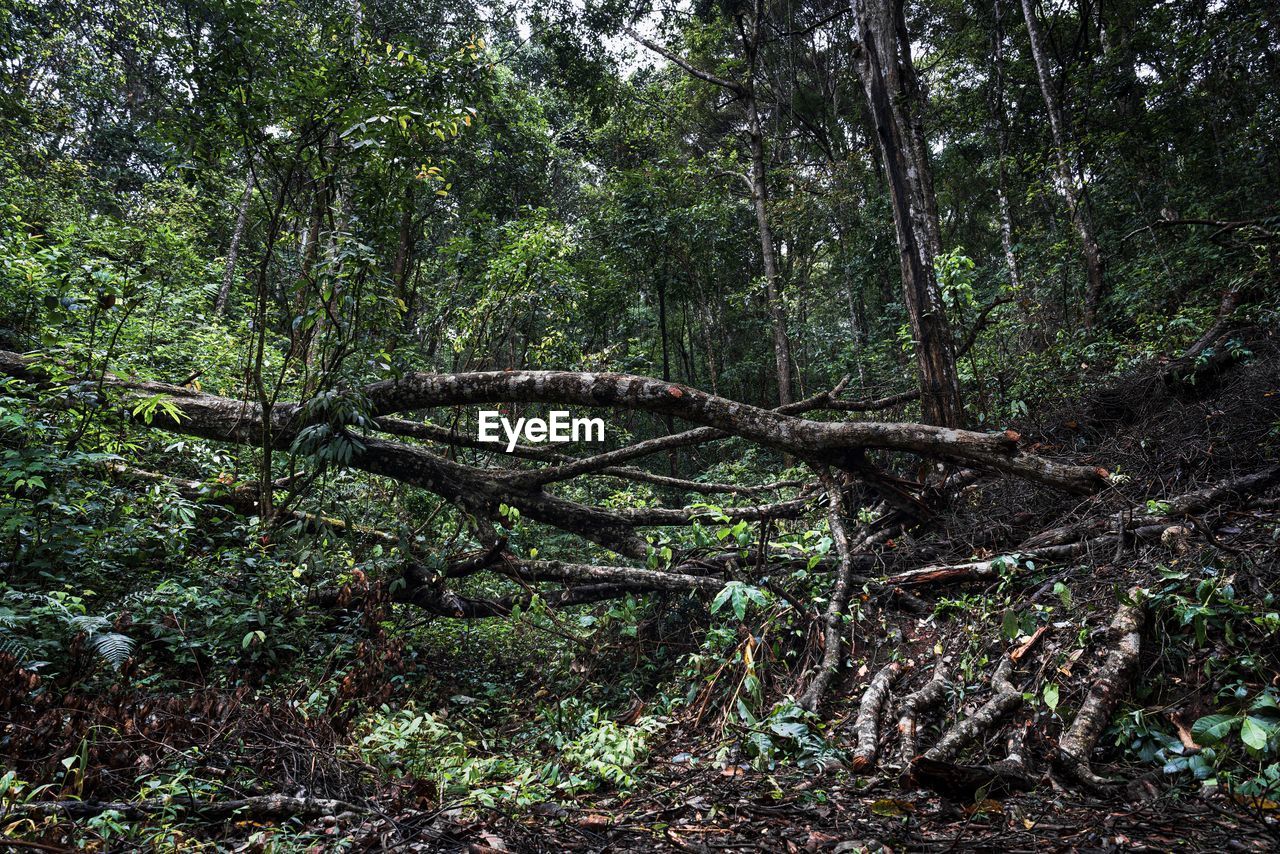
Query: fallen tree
{"x": 836, "y": 451}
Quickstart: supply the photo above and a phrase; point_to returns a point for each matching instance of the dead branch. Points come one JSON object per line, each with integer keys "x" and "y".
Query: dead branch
{"x": 770, "y": 428}
{"x": 833, "y": 619}
{"x": 867, "y": 724}
{"x": 1226, "y": 494}
{"x": 563, "y": 471}
{"x": 914, "y": 705}
{"x": 1110, "y": 682}
{"x": 259, "y": 808}
{"x": 1003, "y": 701}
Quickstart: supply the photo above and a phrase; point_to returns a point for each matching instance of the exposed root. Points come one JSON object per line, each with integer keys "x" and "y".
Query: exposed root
{"x": 1110, "y": 681}
{"x": 867, "y": 725}
{"x": 833, "y": 619}
{"x": 1002, "y": 703}
{"x": 915, "y": 704}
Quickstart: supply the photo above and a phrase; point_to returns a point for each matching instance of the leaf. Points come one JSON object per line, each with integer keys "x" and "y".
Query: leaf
{"x": 1051, "y": 696}
{"x": 1254, "y": 732}
{"x": 1212, "y": 729}
{"x": 1264, "y": 701}
{"x": 114, "y": 647}
{"x": 891, "y": 807}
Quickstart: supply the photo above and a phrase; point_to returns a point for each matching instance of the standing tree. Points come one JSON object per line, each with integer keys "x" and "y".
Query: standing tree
{"x": 1066, "y": 183}
{"x": 896, "y": 103}
{"x": 748, "y": 24}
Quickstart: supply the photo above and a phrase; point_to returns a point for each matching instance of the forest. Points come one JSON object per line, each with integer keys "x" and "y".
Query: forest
{"x": 725, "y": 425}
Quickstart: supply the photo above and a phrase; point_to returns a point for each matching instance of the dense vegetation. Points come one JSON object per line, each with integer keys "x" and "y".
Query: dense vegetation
{"x": 936, "y": 349}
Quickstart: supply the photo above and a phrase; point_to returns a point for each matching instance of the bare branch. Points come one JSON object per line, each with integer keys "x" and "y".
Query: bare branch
{"x": 688, "y": 67}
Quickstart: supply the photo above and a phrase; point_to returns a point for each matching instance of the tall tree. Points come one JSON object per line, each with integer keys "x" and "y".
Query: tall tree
{"x": 233, "y": 249}
{"x": 896, "y": 105}
{"x": 748, "y": 26}
{"x": 1067, "y": 184}
{"x": 1001, "y": 118}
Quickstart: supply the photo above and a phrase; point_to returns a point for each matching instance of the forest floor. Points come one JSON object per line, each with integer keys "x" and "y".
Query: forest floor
{"x": 1206, "y": 585}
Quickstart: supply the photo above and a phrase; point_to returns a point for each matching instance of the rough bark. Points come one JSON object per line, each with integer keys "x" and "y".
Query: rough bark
{"x": 771, "y": 428}
{"x": 1110, "y": 682}
{"x": 1004, "y": 699}
{"x": 233, "y": 249}
{"x": 883, "y": 56}
{"x": 1001, "y": 117}
{"x": 772, "y": 284}
{"x": 927, "y": 697}
{"x": 867, "y": 724}
{"x": 833, "y": 619}
{"x": 840, "y": 442}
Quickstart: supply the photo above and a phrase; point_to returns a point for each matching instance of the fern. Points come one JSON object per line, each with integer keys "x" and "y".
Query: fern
{"x": 87, "y": 623}
{"x": 114, "y": 647}
{"x": 11, "y": 645}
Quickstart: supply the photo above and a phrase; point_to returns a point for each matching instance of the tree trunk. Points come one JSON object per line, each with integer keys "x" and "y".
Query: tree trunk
{"x": 666, "y": 358}
{"x": 895, "y": 103}
{"x": 839, "y": 442}
{"x": 233, "y": 250}
{"x": 1002, "y": 151}
{"x": 1068, "y": 187}
{"x": 768, "y": 258}
{"x": 404, "y": 251}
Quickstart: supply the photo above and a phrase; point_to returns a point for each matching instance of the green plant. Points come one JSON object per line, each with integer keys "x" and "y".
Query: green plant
{"x": 788, "y": 733}
{"x": 45, "y": 624}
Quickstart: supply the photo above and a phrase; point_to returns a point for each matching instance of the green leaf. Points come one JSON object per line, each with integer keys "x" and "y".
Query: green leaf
{"x": 1212, "y": 729}
{"x": 1051, "y": 696}
{"x": 1254, "y": 732}
{"x": 1264, "y": 701}
{"x": 722, "y": 597}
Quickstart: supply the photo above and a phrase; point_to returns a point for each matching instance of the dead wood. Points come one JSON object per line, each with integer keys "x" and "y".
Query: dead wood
{"x": 259, "y": 808}
{"x": 1110, "y": 682}
{"x": 867, "y": 724}
{"x": 915, "y": 704}
{"x": 1005, "y": 698}
{"x": 833, "y": 619}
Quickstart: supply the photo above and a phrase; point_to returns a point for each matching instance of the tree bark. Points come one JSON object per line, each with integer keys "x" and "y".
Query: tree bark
{"x": 1071, "y": 190}
{"x": 768, "y": 258}
{"x": 233, "y": 249}
{"x": 895, "y": 103}
{"x": 839, "y": 443}
{"x": 1110, "y": 682}
{"x": 1002, "y": 152}
{"x": 841, "y": 589}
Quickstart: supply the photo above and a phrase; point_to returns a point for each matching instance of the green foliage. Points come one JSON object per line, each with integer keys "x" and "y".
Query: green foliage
{"x": 38, "y": 627}
{"x": 788, "y": 733}
{"x": 1239, "y": 745}
{"x": 588, "y": 751}
{"x": 738, "y": 596}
